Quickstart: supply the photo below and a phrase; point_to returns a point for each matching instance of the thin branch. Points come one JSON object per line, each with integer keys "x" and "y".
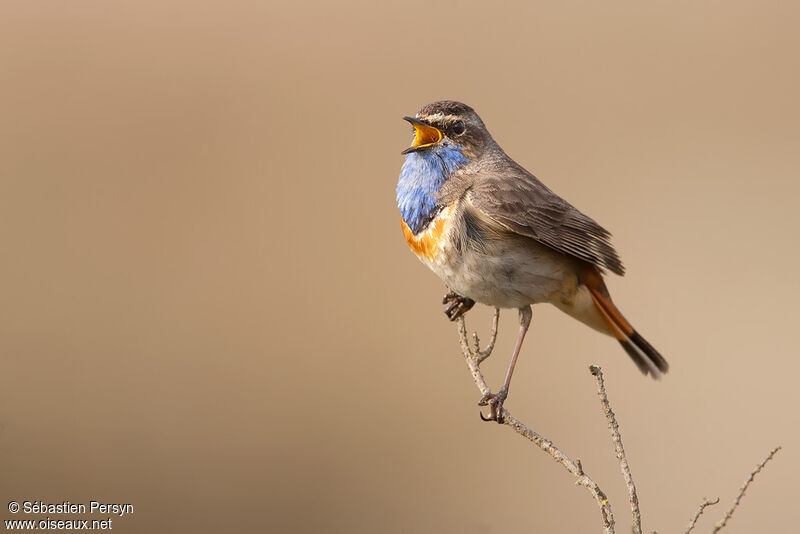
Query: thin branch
{"x": 483, "y": 354}
{"x": 620, "y": 450}
{"x": 699, "y": 512}
{"x": 475, "y": 356}
{"x": 719, "y": 526}
{"x": 473, "y": 359}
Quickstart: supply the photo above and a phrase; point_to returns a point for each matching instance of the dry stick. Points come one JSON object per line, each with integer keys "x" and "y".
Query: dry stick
{"x": 753, "y": 474}
{"x": 473, "y": 358}
{"x": 617, "y": 439}
{"x": 699, "y": 512}
{"x": 481, "y": 355}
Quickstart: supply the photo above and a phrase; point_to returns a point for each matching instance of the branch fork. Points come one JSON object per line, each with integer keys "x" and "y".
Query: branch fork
{"x": 474, "y": 356}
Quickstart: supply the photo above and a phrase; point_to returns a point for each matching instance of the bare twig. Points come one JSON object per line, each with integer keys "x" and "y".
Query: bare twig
{"x": 699, "y": 512}
{"x": 474, "y": 358}
{"x": 483, "y": 354}
{"x": 620, "y": 450}
{"x": 743, "y": 489}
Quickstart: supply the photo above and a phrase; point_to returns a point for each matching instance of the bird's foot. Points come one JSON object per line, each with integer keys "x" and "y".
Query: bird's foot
{"x": 457, "y": 305}
{"x": 495, "y": 402}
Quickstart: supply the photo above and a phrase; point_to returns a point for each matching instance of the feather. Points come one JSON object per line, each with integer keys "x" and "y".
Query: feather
{"x": 519, "y": 201}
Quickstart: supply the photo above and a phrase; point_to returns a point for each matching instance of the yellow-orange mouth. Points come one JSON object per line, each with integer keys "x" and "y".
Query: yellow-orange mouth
{"x": 425, "y": 135}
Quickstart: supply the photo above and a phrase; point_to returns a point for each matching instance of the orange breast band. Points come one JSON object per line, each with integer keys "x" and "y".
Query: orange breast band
{"x": 427, "y": 244}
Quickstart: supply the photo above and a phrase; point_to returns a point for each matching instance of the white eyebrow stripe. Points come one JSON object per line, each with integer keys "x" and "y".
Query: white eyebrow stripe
{"x": 437, "y": 117}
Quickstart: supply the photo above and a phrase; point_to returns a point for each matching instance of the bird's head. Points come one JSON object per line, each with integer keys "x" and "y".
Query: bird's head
{"x": 449, "y": 124}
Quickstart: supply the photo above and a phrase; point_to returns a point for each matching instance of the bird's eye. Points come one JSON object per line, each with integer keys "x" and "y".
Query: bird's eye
{"x": 458, "y": 127}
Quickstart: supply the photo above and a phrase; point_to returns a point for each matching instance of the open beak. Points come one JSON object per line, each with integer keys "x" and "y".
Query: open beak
{"x": 425, "y": 135}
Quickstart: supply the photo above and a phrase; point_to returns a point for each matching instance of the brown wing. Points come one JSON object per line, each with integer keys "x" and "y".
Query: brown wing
{"x": 519, "y": 201}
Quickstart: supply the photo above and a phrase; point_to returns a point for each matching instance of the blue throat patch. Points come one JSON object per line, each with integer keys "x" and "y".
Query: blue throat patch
{"x": 422, "y": 175}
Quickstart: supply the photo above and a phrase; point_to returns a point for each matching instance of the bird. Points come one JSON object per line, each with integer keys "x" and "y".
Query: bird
{"x": 496, "y": 235}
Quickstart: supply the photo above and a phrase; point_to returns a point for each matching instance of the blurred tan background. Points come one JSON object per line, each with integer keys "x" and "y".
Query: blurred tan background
{"x": 207, "y": 308}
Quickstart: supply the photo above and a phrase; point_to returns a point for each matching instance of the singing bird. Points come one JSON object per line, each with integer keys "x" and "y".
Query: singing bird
{"x": 497, "y": 235}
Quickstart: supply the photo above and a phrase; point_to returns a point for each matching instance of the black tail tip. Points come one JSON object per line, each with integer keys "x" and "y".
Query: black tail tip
{"x": 646, "y": 358}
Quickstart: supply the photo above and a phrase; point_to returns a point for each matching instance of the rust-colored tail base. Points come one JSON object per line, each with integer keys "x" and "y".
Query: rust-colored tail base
{"x": 646, "y": 358}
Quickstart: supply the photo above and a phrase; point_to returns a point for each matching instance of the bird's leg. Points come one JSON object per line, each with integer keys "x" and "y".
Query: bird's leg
{"x": 457, "y": 305}
{"x": 495, "y": 400}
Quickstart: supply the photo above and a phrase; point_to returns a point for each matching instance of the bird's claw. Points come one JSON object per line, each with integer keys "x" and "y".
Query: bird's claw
{"x": 495, "y": 403}
{"x": 458, "y": 305}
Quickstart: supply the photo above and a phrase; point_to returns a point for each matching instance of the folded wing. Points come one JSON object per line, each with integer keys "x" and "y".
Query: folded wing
{"x": 519, "y": 201}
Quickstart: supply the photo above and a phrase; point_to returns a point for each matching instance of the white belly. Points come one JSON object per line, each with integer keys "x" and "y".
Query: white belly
{"x": 507, "y": 273}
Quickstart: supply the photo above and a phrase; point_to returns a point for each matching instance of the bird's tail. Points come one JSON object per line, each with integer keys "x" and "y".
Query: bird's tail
{"x": 646, "y": 358}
